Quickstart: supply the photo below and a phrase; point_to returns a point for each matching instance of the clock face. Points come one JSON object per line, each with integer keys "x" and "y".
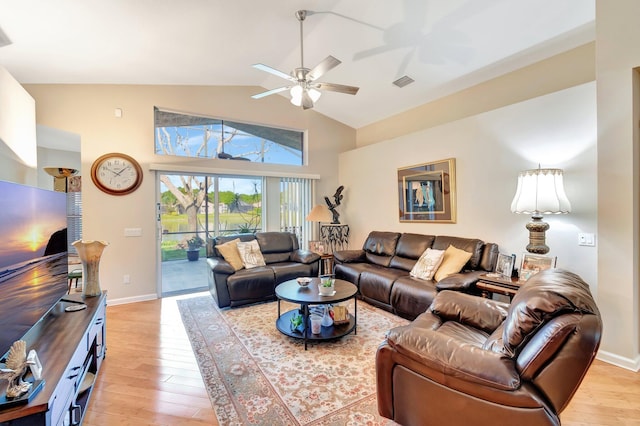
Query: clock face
{"x": 116, "y": 174}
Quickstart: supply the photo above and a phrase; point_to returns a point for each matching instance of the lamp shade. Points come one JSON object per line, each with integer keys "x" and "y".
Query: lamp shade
{"x": 320, "y": 213}
{"x": 540, "y": 191}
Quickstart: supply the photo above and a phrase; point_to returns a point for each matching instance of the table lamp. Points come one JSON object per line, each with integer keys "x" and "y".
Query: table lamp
{"x": 320, "y": 213}
{"x": 540, "y": 191}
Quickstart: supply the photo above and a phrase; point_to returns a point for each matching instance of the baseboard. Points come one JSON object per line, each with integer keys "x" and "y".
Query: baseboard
{"x": 124, "y": 300}
{"x": 617, "y": 360}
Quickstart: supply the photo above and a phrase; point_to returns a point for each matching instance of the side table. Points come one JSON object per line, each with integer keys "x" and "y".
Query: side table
{"x": 326, "y": 264}
{"x": 490, "y": 284}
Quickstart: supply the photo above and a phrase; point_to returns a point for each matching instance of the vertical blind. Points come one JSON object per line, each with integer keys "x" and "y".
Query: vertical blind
{"x": 74, "y": 219}
{"x": 296, "y": 195}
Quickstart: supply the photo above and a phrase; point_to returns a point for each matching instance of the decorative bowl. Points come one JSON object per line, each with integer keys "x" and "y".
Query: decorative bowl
{"x": 303, "y": 281}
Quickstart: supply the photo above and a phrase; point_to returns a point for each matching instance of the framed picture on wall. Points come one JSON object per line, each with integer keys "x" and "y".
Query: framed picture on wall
{"x": 427, "y": 192}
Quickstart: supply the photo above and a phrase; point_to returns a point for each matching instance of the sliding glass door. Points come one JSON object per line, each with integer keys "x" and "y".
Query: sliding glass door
{"x": 193, "y": 208}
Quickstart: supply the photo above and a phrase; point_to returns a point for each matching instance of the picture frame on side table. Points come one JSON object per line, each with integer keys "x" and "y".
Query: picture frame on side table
{"x": 505, "y": 264}
{"x": 427, "y": 192}
{"x": 317, "y": 247}
{"x": 533, "y": 263}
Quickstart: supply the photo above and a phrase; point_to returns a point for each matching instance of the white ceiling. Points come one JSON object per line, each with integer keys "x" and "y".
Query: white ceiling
{"x": 445, "y": 45}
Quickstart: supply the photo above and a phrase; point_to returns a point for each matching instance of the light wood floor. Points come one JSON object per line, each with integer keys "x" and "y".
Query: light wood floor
{"x": 150, "y": 377}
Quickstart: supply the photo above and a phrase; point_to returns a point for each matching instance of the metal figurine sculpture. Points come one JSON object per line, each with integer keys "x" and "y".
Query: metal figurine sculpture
{"x": 337, "y": 197}
{"x": 335, "y": 235}
{"x": 16, "y": 366}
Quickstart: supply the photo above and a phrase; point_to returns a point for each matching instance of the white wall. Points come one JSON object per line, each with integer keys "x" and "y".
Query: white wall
{"x": 18, "y": 155}
{"x": 556, "y": 130}
{"x": 617, "y": 55}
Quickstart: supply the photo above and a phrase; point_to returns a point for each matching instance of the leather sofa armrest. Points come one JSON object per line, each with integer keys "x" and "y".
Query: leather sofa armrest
{"x": 349, "y": 256}
{"x": 304, "y": 256}
{"x": 477, "y": 312}
{"x": 220, "y": 266}
{"x": 460, "y": 281}
{"x": 438, "y": 352}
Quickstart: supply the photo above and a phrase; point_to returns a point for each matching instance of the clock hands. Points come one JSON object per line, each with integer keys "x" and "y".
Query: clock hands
{"x": 118, "y": 173}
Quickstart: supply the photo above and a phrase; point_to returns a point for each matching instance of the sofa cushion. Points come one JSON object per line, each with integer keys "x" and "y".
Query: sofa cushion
{"x": 230, "y": 253}
{"x": 410, "y": 296}
{"x": 409, "y": 248}
{"x": 453, "y": 261}
{"x": 380, "y": 247}
{"x": 425, "y": 268}
{"x": 376, "y": 282}
{"x": 472, "y": 245}
{"x": 277, "y": 246}
{"x": 250, "y": 254}
{"x": 226, "y": 238}
{"x": 251, "y": 285}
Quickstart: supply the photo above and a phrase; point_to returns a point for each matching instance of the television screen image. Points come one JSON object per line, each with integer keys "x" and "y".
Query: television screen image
{"x": 33, "y": 257}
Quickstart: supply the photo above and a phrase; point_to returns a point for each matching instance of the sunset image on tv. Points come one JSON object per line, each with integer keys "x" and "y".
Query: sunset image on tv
{"x": 33, "y": 257}
{"x": 32, "y": 224}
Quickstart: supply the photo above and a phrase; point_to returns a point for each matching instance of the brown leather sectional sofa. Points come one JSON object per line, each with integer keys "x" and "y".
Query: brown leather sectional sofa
{"x": 381, "y": 269}
{"x": 284, "y": 261}
{"x": 475, "y": 361}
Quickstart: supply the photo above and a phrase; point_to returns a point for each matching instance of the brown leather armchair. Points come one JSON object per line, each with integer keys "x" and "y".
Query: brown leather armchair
{"x": 474, "y": 361}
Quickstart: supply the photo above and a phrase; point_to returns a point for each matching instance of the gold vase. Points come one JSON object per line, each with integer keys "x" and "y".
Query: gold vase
{"x": 90, "y": 252}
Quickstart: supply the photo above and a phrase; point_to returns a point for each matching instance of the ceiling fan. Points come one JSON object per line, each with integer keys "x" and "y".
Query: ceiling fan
{"x": 303, "y": 88}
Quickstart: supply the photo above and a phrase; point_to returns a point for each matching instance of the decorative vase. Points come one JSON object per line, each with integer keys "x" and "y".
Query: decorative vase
{"x": 90, "y": 252}
{"x": 327, "y": 321}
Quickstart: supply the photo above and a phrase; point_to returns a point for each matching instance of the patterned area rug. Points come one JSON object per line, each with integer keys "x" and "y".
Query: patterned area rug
{"x": 255, "y": 375}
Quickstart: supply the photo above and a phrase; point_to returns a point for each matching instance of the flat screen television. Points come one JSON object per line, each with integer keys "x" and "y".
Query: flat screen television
{"x": 33, "y": 257}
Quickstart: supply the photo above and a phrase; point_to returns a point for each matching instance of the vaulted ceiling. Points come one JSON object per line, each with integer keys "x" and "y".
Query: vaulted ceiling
{"x": 444, "y": 45}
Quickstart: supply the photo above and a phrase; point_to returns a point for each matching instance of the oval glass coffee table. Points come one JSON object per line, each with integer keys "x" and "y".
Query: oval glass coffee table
{"x": 291, "y": 291}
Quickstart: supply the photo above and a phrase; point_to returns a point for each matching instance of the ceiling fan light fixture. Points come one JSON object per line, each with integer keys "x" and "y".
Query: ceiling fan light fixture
{"x": 304, "y": 89}
{"x": 315, "y": 94}
{"x": 296, "y": 95}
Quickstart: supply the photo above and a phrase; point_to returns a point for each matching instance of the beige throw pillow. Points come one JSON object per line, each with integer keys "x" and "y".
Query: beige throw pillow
{"x": 250, "y": 254}
{"x": 229, "y": 251}
{"x": 427, "y": 265}
{"x": 453, "y": 261}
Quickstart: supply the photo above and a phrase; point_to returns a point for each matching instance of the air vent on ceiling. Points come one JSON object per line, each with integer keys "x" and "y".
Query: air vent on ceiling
{"x": 4, "y": 40}
{"x": 403, "y": 81}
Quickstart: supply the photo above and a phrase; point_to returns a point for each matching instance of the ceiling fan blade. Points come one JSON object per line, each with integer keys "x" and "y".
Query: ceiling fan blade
{"x": 266, "y": 68}
{"x": 319, "y": 70}
{"x": 271, "y": 92}
{"x": 341, "y": 88}
{"x": 307, "y": 102}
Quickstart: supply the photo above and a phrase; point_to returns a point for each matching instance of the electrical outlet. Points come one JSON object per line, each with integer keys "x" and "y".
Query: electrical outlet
{"x": 126, "y": 279}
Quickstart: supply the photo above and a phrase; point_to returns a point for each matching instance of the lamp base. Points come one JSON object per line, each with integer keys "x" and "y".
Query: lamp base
{"x": 537, "y": 229}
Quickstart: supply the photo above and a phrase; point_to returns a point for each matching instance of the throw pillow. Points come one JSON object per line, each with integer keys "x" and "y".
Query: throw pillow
{"x": 250, "y": 254}
{"x": 229, "y": 251}
{"x": 425, "y": 268}
{"x": 453, "y": 261}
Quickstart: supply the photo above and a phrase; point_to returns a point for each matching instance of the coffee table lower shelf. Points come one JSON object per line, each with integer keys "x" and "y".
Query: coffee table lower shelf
{"x": 283, "y": 324}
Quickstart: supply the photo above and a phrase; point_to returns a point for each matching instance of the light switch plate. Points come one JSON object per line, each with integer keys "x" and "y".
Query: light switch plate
{"x": 132, "y": 232}
{"x": 585, "y": 239}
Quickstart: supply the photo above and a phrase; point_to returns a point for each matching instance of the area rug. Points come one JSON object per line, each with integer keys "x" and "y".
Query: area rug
{"x": 255, "y": 375}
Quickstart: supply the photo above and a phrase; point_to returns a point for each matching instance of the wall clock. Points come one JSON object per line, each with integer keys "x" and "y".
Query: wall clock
{"x": 116, "y": 174}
